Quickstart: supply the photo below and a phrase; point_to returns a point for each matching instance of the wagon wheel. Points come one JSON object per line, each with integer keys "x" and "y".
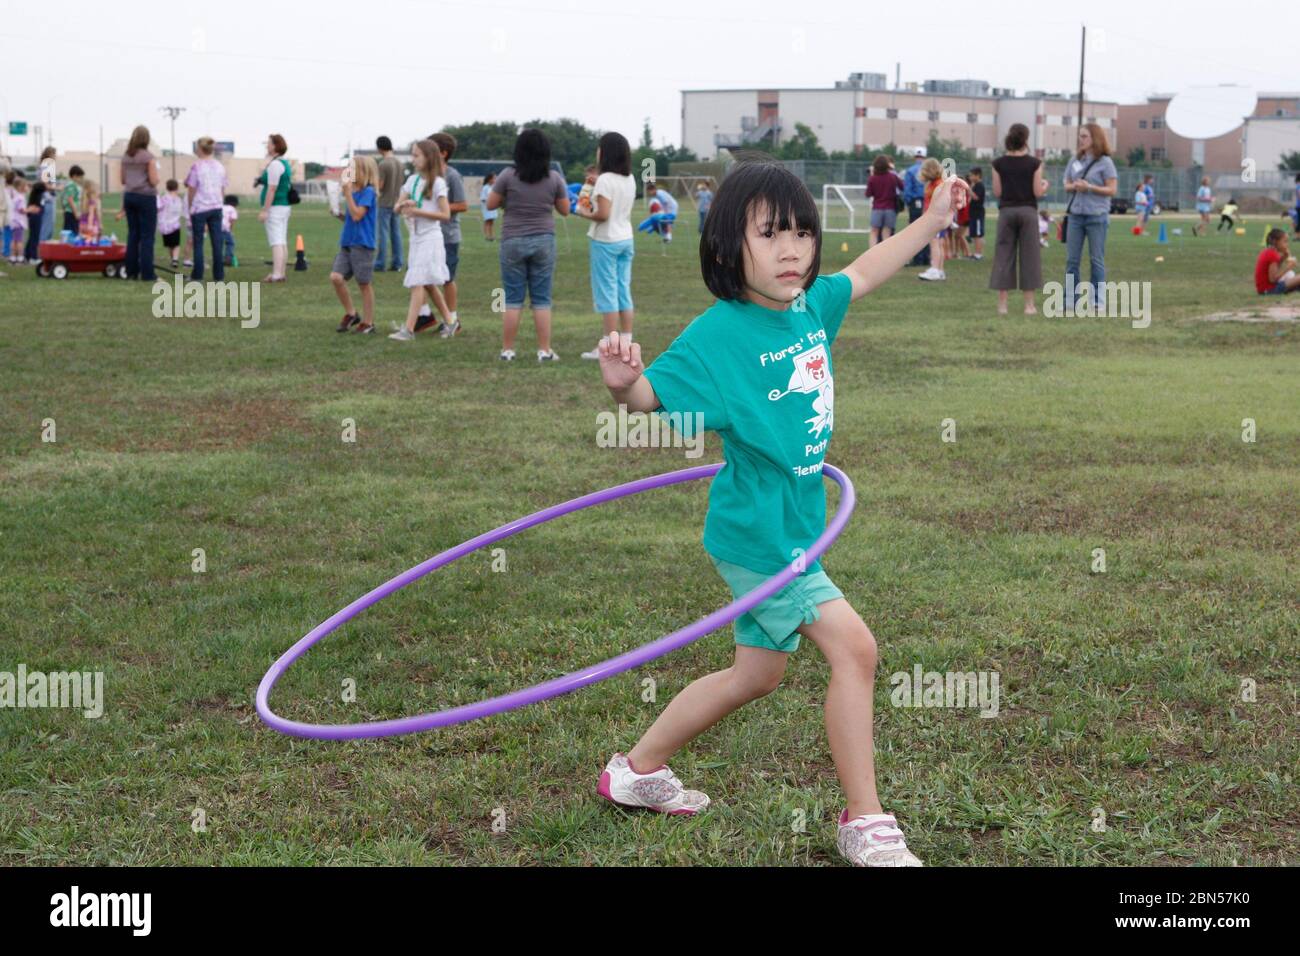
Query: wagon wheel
{"x": 110, "y": 271}
{"x": 59, "y": 271}
{"x": 43, "y": 270}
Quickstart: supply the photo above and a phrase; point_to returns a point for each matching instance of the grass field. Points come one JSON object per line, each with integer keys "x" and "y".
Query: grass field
{"x": 1120, "y": 690}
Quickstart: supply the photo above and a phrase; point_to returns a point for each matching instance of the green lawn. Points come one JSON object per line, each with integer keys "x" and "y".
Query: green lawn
{"x": 1120, "y": 690}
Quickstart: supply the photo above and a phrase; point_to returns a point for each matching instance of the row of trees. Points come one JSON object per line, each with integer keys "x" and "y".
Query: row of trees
{"x": 573, "y": 145}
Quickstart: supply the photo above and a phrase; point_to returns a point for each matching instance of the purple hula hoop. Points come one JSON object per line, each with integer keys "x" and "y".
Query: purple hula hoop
{"x": 560, "y": 685}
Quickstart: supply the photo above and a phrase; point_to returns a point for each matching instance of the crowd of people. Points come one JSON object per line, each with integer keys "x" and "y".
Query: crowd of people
{"x": 531, "y": 193}
{"x": 150, "y": 208}
{"x": 380, "y": 196}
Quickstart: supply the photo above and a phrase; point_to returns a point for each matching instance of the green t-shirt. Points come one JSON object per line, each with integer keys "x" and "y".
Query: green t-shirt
{"x": 762, "y": 380}
{"x": 72, "y": 198}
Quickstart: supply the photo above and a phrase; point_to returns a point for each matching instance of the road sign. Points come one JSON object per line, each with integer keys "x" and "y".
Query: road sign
{"x": 17, "y": 129}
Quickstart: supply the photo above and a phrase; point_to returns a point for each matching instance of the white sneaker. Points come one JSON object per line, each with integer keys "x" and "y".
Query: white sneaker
{"x": 659, "y": 790}
{"x": 547, "y": 356}
{"x": 593, "y": 354}
{"x": 507, "y": 355}
{"x": 931, "y": 274}
{"x": 403, "y": 335}
{"x": 874, "y": 839}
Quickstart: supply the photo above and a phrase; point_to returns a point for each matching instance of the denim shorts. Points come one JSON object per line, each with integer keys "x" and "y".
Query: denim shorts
{"x": 528, "y": 264}
{"x": 611, "y": 275}
{"x": 884, "y": 219}
{"x": 772, "y": 624}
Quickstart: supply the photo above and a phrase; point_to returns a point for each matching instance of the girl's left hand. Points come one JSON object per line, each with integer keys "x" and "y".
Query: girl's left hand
{"x": 261, "y": 216}
{"x": 950, "y": 195}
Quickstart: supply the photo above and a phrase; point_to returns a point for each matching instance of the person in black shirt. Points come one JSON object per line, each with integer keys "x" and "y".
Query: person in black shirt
{"x": 977, "y": 210}
{"x": 34, "y": 199}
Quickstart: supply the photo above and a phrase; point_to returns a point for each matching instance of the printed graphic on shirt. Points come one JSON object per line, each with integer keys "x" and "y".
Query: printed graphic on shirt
{"x": 812, "y": 374}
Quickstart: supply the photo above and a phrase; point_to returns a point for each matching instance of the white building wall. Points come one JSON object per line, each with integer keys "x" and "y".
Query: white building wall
{"x": 714, "y": 111}
{"x": 829, "y": 113}
{"x": 1017, "y": 111}
{"x": 1265, "y": 140}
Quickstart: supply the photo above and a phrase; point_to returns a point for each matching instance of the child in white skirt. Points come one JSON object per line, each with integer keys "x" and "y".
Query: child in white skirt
{"x": 423, "y": 202}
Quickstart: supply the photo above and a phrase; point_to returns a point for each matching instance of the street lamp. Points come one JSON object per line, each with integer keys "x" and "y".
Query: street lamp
{"x": 173, "y": 112}
{"x": 49, "y": 116}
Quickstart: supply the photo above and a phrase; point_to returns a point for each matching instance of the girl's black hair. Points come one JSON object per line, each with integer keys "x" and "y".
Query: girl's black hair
{"x": 757, "y": 185}
{"x": 532, "y": 156}
{"x": 615, "y": 154}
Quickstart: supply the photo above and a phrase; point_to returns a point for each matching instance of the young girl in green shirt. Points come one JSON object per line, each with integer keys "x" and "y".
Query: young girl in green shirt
{"x": 756, "y": 367}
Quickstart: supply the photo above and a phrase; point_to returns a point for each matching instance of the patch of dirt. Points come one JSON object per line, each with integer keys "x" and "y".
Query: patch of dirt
{"x": 210, "y": 423}
{"x": 1272, "y": 313}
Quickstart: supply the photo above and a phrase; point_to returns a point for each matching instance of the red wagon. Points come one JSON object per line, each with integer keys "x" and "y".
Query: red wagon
{"x": 60, "y": 258}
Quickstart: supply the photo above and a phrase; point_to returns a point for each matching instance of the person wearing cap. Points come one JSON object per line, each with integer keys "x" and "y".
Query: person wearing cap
{"x": 914, "y": 196}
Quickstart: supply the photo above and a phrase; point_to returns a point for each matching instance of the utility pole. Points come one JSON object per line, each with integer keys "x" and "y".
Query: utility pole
{"x": 1083, "y": 50}
{"x": 173, "y": 112}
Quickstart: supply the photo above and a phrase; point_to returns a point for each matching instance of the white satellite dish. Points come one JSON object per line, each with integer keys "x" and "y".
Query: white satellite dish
{"x": 1204, "y": 112}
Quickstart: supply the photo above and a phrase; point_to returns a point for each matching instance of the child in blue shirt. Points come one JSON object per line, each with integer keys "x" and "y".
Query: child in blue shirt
{"x": 356, "y": 257}
{"x": 756, "y": 367}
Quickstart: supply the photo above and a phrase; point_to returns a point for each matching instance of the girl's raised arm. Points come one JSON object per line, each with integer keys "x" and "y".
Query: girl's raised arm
{"x": 873, "y": 267}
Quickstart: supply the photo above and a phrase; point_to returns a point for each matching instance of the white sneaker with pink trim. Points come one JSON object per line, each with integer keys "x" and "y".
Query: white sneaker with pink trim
{"x": 659, "y": 790}
{"x": 874, "y": 839}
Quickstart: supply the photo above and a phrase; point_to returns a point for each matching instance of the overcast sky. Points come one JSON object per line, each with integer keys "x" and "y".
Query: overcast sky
{"x": 245, "y": 68}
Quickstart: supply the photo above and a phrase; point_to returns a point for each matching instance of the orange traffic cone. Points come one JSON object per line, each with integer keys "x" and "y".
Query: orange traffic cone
{"x": 300, "y": 263}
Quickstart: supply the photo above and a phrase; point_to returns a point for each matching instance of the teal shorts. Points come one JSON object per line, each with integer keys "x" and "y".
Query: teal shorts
{"x": 772, "y": 624}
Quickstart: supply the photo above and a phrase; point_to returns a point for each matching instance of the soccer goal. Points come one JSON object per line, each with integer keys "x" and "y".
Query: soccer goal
{"x": 845, "y": 208}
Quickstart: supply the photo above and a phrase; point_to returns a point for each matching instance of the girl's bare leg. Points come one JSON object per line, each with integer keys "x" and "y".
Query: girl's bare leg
{"x": 542, "y": 321}
{"x": 755, "y": 673}
{"x": 849, "y": 647}
{"x": 413, "y": 308}
{"x": 1030, "y": 308}
{"x": 435, "y": 296}
{"x": 510, "y": 328}
{"x": 1002, "y": 301}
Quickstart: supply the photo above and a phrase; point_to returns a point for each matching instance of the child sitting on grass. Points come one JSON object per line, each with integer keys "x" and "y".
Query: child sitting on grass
{"x": 1275, "y": 267}
{"x": 756, "y": 367}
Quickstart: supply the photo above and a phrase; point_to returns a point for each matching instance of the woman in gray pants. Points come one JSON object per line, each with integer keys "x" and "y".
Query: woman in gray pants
{"x": 1017, "y": 183}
